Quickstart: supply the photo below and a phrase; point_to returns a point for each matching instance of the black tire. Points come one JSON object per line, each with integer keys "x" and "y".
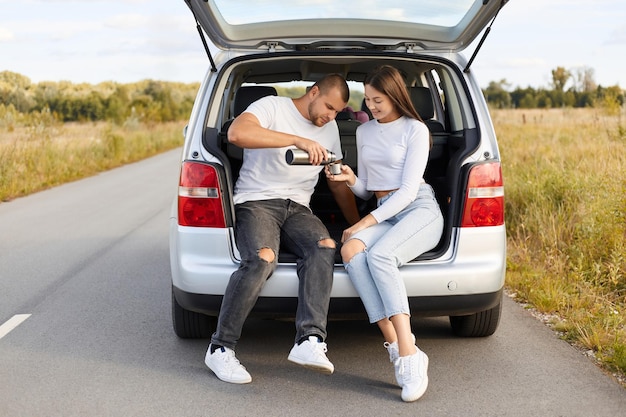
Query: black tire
{"x": 189, "y": 324}
{"x": 481, "y": 324}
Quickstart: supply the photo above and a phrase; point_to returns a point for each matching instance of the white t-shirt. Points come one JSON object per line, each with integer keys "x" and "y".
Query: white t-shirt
{"x": 265, "y": 173}
{"x": 391, "y": 156}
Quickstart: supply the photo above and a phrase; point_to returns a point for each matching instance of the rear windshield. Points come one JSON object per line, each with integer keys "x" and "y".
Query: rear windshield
{"x": 434, "y": 12}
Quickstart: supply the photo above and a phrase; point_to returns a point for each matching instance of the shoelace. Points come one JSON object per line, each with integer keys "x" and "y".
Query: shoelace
{"x": 231, "y": 360}
{"x": 400, "y": 365}
{"x": 392, "y": 348}
{"x": 406, "y": 367}
{"x": 320, "y": 349}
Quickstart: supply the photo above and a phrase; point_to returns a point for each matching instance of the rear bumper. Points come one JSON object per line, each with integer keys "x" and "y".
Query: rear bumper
{"x": 470, "y": 279}
{"x": 345, "y": 307}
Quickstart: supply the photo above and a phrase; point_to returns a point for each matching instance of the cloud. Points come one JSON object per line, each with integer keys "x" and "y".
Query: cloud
{"x": 127, "y": 21}
{"x": 41, "y": 30}
{"x": 617, "y": 36}
{"x": 530, "y": 62}
{"x": 5, "y": 35}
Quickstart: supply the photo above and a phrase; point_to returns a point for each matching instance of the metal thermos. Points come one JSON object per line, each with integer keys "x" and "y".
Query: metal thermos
{"x": 300, "y": 157}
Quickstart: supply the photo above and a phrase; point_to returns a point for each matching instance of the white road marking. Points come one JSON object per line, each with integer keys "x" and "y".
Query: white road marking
{"x": 12, "y": 323}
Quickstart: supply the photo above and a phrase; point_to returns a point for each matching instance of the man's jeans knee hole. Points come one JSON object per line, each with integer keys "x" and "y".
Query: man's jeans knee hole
{"x": 266, "y": 254}
{"x": 326, "y": 243}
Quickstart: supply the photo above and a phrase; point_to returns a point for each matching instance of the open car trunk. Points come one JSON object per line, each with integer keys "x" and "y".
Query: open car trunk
{"x": 431, "y": 88}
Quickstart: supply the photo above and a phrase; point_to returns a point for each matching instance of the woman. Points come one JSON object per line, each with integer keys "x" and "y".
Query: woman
{"x": 392, "y": 155}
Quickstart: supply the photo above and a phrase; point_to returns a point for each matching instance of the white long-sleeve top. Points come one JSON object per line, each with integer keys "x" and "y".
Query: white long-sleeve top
{"x": 391, "y": 156}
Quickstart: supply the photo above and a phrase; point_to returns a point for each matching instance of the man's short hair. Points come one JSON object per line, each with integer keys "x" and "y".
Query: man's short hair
{"x": 331, "y": 81}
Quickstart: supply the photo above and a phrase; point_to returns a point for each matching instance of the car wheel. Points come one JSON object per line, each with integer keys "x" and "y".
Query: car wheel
{"x": 189, "y": 324}
{"x": 481, "y": 324}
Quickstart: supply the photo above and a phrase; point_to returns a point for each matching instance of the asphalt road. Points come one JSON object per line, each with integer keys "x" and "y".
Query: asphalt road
{"x": 87, "y": 265}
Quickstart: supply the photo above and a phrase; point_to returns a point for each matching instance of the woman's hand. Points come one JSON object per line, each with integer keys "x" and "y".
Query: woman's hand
{"x": 347, "y": 234}
{"x": 364, "y": 223}
{"x": 346, "y": 175}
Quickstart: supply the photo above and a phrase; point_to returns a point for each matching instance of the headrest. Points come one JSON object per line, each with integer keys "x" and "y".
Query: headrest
{"x": 249, "y": 94}
{"x": 423, "y": 102}
{"x": 349, "y": 114}
{"x": 346, "y": 114}
{"x": 367, "y": 111}
{"x": 361, "y": 116}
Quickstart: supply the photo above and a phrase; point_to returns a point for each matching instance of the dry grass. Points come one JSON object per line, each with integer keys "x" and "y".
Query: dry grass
{"x": 565, "y": 176}
{"x": 38, "y": 156}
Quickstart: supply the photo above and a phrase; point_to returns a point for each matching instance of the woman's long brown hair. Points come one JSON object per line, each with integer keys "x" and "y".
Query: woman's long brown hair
{"x": 389, "y": 81}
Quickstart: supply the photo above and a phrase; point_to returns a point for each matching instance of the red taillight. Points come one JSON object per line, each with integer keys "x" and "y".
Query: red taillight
{"x": 484, "y": 201}
{"x": 199, "y": 197}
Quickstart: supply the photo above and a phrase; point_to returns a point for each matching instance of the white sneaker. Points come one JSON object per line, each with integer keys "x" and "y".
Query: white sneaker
{"x": 394, "y": 354}
{"x": 226, "y": 366}
{"x": 413, "y": 370}
{"x": 312, "y": 354}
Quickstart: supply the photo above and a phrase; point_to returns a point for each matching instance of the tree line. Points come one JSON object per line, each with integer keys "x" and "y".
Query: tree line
{"x": 147, "y": 100}
{"x": 161, "y": 101}
{"x": 569, "y": 88}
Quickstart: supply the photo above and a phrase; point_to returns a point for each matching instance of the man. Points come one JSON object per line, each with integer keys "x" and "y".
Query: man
{"x": 271, "y": 207}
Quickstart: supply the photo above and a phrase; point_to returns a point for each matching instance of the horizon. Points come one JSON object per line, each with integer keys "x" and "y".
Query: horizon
{"x": 132, "y": 40}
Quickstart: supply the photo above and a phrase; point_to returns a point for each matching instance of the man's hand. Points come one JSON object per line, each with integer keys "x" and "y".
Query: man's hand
{"x": 317, "y": 153}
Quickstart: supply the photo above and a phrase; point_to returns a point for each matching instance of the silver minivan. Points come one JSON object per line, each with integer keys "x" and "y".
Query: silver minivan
{"x": 273, "y": 47}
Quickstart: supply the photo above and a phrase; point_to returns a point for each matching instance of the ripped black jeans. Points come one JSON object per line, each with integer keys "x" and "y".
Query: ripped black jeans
{"x": 268, "y": 224}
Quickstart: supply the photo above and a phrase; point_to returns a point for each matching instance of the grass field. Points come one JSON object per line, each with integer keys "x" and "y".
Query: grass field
{"x": 565, "y": 182}
{"x": 39, "y": 156}
{"x": 565, "y": 185}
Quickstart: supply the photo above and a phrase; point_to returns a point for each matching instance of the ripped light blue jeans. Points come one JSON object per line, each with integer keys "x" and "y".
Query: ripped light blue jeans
{"x": 390, "y": 244}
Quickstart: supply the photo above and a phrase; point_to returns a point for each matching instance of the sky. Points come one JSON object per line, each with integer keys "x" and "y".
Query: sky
{"x": 130, "y": 40}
